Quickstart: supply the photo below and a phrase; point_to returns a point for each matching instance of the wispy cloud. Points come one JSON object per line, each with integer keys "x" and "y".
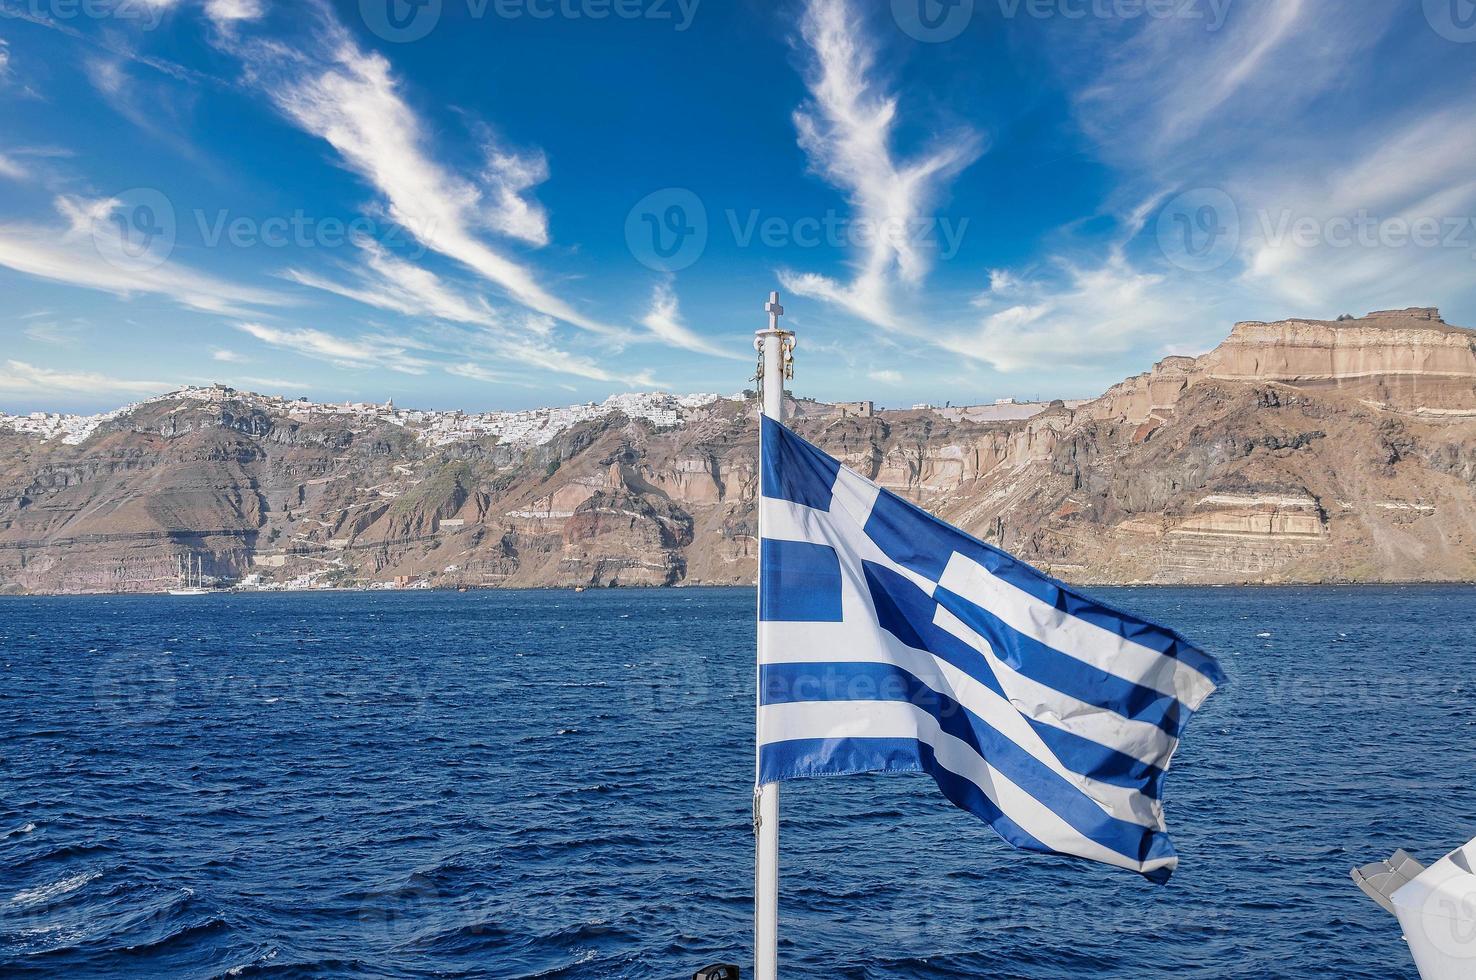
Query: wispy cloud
{"x": 12, "y": 83}
{"x": 31, "y": 163}
{"x": 18, "y": 377}
{"x": 226, "y": 356}
{"x": 1088, "y": 314}
{"x": 1281, "y": 68}
{"x": 1173, "y": 106}
{"x": 664, "y": 320}
{"x": 1394, "y": 223}
{"x": 145, "y": 13}
{"x": 526, "y": 339}
{"x": 90, "y": 249}
{"x": 47, "y": 331}
{"x": 225, "y": 14}
{"x": 480, "y": 372}
{"x": 390, "y": 353}
{"x": 522, "y": 345}
{"x": 157, "y": 105}
{"x": 388, "y": 282}
{"x": 847, "y": 129}
{"x": 110, "y": 81}
{"x": 351, "y": 99}
{"x": 507, "y": 178}
{"x": 541, "y": 354}
{"x": 1174, "y": 97}
{"x": 1155, "y": 90}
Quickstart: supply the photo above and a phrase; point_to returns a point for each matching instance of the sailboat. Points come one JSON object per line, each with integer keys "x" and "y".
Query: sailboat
{"x": 189, "y": 569}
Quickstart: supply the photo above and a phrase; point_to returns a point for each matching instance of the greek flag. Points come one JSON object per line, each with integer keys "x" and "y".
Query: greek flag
{"x": 892, "y": 642}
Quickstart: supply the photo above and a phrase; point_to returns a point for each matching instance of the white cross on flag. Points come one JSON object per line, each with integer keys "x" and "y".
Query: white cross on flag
{"x": 892, "y": 642}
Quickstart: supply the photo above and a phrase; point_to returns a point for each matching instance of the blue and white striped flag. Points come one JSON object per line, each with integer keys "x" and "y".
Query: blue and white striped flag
{"x": 890, "y": 641}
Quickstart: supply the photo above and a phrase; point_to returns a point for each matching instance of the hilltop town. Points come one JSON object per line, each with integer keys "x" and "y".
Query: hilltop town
{"x": 438, "y": 428}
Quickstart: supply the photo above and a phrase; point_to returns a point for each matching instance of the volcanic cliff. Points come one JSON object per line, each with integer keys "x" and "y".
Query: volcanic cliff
{"x": 1296, "y": 451}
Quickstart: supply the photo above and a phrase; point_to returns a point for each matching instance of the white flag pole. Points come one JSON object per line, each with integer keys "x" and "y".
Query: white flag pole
{"x": 774, "y": 347}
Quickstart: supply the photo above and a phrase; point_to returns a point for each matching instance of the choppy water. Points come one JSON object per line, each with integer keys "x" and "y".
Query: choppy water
{"x": 557, "y": 785}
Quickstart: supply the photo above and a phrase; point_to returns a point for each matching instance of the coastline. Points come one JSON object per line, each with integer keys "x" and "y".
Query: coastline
{"x": 636, "y": 587}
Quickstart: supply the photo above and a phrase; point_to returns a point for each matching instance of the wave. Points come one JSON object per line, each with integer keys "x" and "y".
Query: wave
{"x": 180, "y": 935}
{"x": 265, "y": 966}
{"x": 54, "y": 890}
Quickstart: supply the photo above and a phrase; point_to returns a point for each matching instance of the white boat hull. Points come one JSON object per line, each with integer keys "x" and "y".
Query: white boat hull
{"x": 1437, "y": 911}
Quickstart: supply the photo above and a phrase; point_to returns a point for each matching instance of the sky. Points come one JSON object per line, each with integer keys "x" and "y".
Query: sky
{"x": 504, "y": 204}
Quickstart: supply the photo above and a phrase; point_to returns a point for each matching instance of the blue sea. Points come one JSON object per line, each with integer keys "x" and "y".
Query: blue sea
{"x": 552, "y": 784}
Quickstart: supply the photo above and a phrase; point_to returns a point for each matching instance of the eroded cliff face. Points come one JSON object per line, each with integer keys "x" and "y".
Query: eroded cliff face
{"x": 1298, "y": 451}
{"x": 1295, "y": 451}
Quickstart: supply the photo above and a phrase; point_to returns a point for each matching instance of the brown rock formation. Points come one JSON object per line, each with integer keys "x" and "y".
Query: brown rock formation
{"x": 1297, "y": 451}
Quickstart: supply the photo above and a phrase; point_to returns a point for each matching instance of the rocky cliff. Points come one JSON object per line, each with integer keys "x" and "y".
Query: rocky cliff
{"x": 1297, "y": 451}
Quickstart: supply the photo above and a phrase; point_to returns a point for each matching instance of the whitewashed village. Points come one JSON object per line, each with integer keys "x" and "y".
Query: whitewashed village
{"x": 319, "y": 563}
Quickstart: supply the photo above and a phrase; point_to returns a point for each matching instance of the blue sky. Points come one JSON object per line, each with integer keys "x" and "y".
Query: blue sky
{"x": 496, "y": 204}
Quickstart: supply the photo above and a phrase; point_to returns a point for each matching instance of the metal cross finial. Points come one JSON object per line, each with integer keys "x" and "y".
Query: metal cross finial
{"x": 783, "y": 341}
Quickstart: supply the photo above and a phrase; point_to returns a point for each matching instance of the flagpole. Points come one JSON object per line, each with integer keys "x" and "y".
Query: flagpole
{"x": 774, "y": 346}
